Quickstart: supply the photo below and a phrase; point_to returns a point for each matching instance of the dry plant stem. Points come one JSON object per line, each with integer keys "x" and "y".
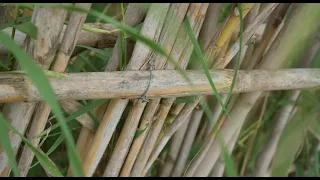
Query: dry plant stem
{"x": 151, "y": 29}
{"x": 219, "y": 166}
{"x": 187, "y": 143}
{"x": 145, "y": 124}
{"x": 174, "y": 86}
{"x": 169, "y": 131}
{"x": 198, "y": 159}
{"x": 127, "y": 134}
{"x": 266, "y": 155}
{"x": 156, "y": 127}
{"x": 134, "y": 16}
{"x": 252, "y": 138}
{"x": 86, "y": 38}
{"x": 282, "y": 47}
{"x": 19, "y": 114}
{"x": 175, "y": 143}
{"x": 247, "y": 34}
{"x": 274, "y": 25}
{"x": 42, "y": 113}
{"x": 192, "y": 166}
{"x": 228, "y": 29}
{"x": 210, "y": 25}
{"x": 181, "y": 52}
{"x": 176, "y": 14}
{"x": 247, "y": 50}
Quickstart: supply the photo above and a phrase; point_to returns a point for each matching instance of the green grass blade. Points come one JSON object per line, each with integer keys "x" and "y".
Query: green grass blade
{"x": 5, "y": 143}
{"x": 43, "y": 159}
{"x": 203, "y": 63}
{"x": 121, "y": 65}
{"x": 41, "y": 82}
{"x": 74, "y": 115}
{"x": 87, "y": 61}
{"x": 28, "y": 28}
{"x": 12, "y": 22}
{"x": 52, "y": 148}
{"x": 231, "y": 169}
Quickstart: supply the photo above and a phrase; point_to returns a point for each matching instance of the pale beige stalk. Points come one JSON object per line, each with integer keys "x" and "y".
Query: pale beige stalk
{"x": 42, "y": 50}
{"x": 171, "y": 26}
{"x": 180, "y": 53}
{"x": 86, "y": 38}
{"x": 133, "y": 16}
{"x": 42, "y": 113}
{"x": 284, "y": 46}
{"x": 187, "y": 142}
{"x": 151, "y": 29}
{"x": 175, "y": 143}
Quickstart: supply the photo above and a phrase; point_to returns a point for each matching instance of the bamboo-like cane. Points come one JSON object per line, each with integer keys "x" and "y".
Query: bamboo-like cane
{"x": 166, "y": 83}
{"x": 48, "y": 36}
{"x": 133, "y": 16}
{"x": 151, "y": 28}
{"x": 182, "y": 55}
{"x": 247, "y": 100}
{"x": 172, "y": 24}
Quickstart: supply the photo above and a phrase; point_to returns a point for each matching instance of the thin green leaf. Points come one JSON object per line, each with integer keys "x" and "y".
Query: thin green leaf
{"x": 74, "y": 115}
{"x": 204, "y": 66}
{"x": 12, "y": 22}
{"x": 121, "y": 65}
{"x": 88, "y": 62}
{"x": 52, "y": 148}
{"x": 187, "y": 99}
{"x": 43, "y": 159}
{"x": 101, "y": 52}
{"x": 5, "y": 143}
{"x": 231, "y": 169}
{"x": 140, "y": 131}
{"x": 41, "y": 82}
{"x": 28, "y": 28}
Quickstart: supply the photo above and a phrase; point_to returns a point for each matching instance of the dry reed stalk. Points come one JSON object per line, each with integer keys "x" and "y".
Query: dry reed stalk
{"x": 151, "y": 28}
{"x": 228, "y": 29}
{"x": 133, "y": 16}
{"x": 266, "y": 155}
{"x": 169, "y": 131}
{"x": 281, "y": 48}
{"x": 42, "y": 113}
{"x": 181, "y": 52}
{"x": 173, "y": 21}
{"x": 219, "y": 166}
{"x": 146, "y": 121}
{"x": 218, "y": 47}
{"x": 247, "y": 51}
{"x": 174, "y": 86}
{"x": 247, "y": 34}
{"x": 252, "y": 138}
{"x": 272, "y": 29}
{"x": 175, "y": 143}
{"x": 218, "y": 110}
{"x": 210, "y": 25}
{"x": 19, "y": 114}
{"x": 86, "y": 38}
{"x": 187, "y": 142}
